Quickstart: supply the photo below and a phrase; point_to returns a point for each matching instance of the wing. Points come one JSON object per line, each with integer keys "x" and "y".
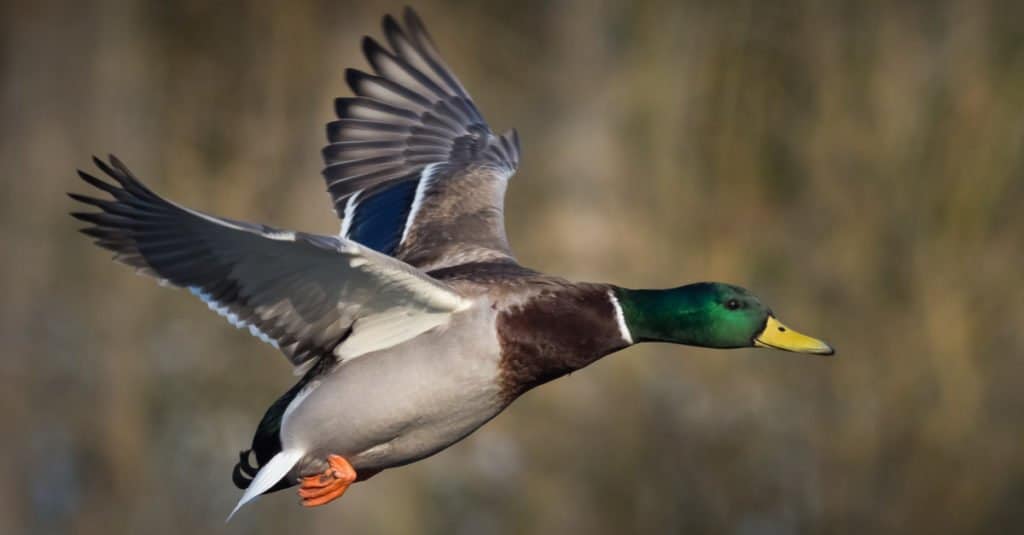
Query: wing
{"x": 307, "y": 295}
{"x": 412, "y": 167}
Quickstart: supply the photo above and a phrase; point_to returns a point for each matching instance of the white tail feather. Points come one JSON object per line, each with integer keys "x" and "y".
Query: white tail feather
{"x": 268, "y": 476}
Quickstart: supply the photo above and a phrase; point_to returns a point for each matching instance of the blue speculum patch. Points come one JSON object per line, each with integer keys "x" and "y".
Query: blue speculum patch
{"x": 379, "y": 219}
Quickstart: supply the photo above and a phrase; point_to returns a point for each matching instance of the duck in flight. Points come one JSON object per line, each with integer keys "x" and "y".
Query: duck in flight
{"x": 415, "y": 325}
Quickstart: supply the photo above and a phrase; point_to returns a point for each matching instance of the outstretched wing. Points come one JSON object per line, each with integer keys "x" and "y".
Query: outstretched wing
{"x": 412, "y": 167}
{"x": 308, "y": 295}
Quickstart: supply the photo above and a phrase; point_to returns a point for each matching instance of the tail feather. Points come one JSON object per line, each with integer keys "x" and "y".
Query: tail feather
{"x": 268, "y": 476}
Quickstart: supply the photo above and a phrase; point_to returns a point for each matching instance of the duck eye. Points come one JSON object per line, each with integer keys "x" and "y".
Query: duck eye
{"x": 732, "y": 304}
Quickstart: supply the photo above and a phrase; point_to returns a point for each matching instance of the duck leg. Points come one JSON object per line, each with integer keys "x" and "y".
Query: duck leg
{"x": 329, "y": 485}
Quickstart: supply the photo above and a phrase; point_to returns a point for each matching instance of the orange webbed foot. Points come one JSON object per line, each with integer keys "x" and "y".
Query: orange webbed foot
{"x": 328, "y": 486}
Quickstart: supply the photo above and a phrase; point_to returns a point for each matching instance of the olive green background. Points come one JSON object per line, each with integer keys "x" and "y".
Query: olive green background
{"x": 859, "y": 165}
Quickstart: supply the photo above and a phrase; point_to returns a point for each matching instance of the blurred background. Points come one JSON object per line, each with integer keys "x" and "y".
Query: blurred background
{"x": 860, "y": 165}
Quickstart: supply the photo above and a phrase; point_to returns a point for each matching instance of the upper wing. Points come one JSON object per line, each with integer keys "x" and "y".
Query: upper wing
{"x": 412, "y": 168}
{"x": 308, "y": 295}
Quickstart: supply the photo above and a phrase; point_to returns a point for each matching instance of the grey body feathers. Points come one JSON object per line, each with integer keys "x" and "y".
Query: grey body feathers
{"x": 401, "y": 404}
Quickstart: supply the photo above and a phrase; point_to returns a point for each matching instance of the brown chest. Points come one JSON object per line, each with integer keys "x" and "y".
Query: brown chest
{"x": 554, "y": 333}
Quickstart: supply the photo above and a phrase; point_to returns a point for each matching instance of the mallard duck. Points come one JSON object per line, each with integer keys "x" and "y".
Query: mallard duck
{"x": 415, "y": 325}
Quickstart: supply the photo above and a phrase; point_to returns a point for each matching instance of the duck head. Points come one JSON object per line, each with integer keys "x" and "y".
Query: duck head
{"x": 710, "y": 314}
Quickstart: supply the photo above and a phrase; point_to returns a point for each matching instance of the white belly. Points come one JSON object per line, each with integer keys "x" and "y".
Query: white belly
{"x": 401, "y": 404}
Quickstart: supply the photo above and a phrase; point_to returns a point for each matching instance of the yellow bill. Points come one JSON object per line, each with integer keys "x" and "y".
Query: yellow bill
{"x": 778, "y": 336}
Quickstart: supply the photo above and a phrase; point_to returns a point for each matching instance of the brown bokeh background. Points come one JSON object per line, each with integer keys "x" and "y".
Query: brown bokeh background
{"x": 860, "y": 165}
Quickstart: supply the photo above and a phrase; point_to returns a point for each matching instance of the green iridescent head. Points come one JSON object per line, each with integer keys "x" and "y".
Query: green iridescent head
{"x": 709, "y": 314}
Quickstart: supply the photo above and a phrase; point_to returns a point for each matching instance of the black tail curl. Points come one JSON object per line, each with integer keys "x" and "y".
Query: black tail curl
{"x": 244, "y": 471}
